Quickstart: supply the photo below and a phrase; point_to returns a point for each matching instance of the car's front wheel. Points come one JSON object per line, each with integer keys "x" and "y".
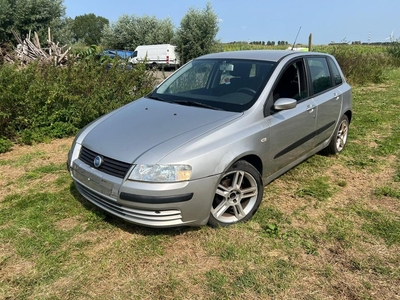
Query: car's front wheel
{"x": 238, "y": 195}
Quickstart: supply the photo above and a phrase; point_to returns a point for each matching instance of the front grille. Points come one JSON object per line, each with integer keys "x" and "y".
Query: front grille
{"x": 110, "y": 166}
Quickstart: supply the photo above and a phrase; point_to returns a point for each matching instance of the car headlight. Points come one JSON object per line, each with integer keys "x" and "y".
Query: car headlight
{"x": 161, "y": 173}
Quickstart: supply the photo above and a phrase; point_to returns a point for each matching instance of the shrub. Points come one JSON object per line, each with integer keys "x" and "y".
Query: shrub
{"x": 360, "y": 64}
{"x": 42, "y": 101}
{"x": 394, "y": 51}
{"x": 5, "y": 145}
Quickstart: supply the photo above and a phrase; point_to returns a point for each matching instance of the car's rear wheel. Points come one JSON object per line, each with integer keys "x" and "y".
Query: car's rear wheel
{"x": 339, "y": 138}
{"x": 238, "y": 195}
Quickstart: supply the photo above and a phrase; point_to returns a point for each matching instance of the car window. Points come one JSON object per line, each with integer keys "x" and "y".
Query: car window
{"x": 337, "y": 78}
{"x": 250, "y": 71}
{"x": 320, "y": 75}
{"x": 195, "y": 78}
{"x": 227, "y": 84}
{"x": 292, "y": 83}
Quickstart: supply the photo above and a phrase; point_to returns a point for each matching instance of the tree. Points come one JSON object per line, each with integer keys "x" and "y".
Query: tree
{"x": 89, "y": 29}
{"x": 25, "y": 15}
{"x": 62, "y": 31}
{"x": 5, "y": 20}
{"x": 131, "y": 31}
{"x": 197, "y": 33}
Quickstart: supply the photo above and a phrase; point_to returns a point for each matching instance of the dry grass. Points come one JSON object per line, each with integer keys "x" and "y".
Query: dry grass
{"x": 174, "y": 264}
{"x": 321, "y": 247}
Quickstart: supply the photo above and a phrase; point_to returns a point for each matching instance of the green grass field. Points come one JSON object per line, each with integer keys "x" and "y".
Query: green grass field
{"x": 328, "y": 229}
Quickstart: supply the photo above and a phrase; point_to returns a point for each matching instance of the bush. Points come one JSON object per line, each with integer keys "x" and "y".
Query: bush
{"x": 360, "y": 64}
{"x": 394, "y": 51}
{"x": 5, "y": 145}
{"x": 42, "y": 101}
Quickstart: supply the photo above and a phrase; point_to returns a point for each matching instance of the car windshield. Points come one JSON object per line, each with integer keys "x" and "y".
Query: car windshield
{"x": 231, "y": 85}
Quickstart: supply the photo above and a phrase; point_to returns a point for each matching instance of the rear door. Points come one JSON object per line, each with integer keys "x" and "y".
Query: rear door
{"x": 325, "y": 81}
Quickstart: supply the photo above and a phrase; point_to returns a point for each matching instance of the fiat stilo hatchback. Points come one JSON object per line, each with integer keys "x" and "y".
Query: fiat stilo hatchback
{"x": 201, "y": 147}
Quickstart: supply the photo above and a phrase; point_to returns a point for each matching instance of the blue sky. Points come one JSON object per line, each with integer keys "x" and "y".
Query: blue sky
{"x": 267, "y": 20}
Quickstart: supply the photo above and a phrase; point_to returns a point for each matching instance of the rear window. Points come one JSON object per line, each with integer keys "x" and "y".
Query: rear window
{"x": 337, "y": 78}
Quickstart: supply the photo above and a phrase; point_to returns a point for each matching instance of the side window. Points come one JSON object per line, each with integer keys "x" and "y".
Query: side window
{"x": 337, "y": 78}
{"x": 320, "y": 75}
{"x": 292, "y": 83}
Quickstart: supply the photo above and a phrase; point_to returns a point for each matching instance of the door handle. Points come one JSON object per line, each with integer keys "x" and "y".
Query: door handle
{"x": 310, "y": 108}
{"x": 336, "y": 96}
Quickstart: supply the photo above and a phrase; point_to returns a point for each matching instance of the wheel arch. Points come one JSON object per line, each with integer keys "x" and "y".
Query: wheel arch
{"x": 349, "y": 115}
{"x": 252, "y": 159}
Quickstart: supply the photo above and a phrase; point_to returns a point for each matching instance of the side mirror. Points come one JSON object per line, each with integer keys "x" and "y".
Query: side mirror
{"x": 285, "y": 103}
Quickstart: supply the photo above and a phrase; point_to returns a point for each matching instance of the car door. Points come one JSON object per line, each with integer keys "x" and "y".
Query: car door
{"x": 327, "y": 96}
{"x": 291, "y": 130}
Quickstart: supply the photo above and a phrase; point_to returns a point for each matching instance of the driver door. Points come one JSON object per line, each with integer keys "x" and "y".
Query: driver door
{"x": 292, "y": 130}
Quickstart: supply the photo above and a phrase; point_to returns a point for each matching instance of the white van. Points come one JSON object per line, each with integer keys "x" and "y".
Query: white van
{"x": 162, "y": 55}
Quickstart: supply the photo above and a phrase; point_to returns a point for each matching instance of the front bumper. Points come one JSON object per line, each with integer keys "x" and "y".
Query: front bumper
{"x": 149, "y": 204}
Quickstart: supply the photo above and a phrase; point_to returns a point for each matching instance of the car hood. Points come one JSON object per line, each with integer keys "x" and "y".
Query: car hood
{"x": 146, "y": 124}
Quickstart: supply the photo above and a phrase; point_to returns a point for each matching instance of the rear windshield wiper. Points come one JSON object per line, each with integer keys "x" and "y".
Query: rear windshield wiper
{"x": 195, "y": 103}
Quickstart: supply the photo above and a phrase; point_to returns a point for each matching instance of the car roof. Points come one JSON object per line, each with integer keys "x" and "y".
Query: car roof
{"x": 268, "y": 55}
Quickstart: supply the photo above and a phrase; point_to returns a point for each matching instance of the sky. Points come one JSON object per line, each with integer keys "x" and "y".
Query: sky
{"x": 267, "y": 20}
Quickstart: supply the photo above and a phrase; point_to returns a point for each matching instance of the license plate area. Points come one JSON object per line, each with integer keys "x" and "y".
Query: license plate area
{"x": 94, "y": 180}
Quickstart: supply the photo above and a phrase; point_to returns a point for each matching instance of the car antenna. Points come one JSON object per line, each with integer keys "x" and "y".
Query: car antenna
{"x": 295, "y": 40}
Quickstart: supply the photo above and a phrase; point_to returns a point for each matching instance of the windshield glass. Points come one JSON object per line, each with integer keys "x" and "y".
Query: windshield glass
{"x": 231, "y": 85}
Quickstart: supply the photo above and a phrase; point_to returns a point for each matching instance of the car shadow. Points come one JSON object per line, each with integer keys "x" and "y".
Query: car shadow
{"x": 124, "y": 225}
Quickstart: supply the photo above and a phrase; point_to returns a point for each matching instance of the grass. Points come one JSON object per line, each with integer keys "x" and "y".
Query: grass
{"x": 328, "y": 229}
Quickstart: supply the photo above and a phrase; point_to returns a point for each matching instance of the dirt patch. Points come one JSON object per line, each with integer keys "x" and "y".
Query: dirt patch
{"x": 68, "y": 223}
{"x": 22, "y": 159}
{"x": 374, "y": 88}
{"x": 12, "y": 266}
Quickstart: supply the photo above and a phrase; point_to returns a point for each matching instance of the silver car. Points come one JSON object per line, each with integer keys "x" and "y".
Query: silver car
{"x": 200, "y": 148}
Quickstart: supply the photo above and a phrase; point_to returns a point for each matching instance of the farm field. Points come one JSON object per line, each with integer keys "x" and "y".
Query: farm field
{"x": 328, "y": 229}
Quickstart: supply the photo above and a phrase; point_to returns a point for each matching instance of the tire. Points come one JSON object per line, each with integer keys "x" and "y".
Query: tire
{"x": 339, "y": 138}
{"x": 238, "y": 195}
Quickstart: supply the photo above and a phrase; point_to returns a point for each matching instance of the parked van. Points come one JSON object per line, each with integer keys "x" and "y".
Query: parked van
{"x": 162, "y": 55}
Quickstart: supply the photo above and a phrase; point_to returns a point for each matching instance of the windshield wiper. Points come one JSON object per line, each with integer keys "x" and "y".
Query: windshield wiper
{"x": 195, "y": 103}
{"x": 154, "y": 97}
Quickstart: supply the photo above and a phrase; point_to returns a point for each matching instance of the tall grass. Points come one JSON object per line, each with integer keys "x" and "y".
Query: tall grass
{"x": 394, "y": 51}
{"x": 361, "y": 64}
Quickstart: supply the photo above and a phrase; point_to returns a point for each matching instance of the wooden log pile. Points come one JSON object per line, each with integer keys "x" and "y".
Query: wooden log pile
{"x": 28, "y": 51}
